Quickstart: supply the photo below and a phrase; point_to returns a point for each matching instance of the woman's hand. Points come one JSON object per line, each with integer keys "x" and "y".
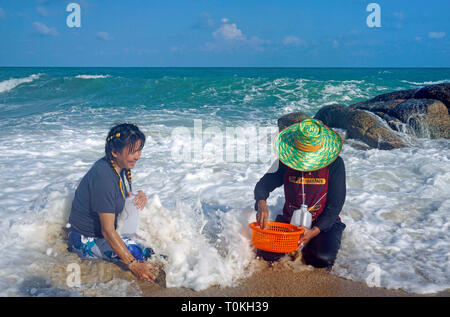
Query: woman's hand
{"x": 142, "y": 271}
{"x": 307, "y": 235}
{"x": 263, "y": 213}
{"x": 140, "y": 200}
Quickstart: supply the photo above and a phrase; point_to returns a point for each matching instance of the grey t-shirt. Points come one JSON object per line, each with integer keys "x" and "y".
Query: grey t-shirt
{"x": 97, "y": 192}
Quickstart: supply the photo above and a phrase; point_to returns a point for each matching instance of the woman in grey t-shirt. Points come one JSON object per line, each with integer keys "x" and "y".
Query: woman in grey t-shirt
{"x": 100, "y": 198}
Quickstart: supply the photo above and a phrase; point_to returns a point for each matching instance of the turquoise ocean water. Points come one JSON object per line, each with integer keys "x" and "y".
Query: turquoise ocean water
{"x": 54, "y": 121}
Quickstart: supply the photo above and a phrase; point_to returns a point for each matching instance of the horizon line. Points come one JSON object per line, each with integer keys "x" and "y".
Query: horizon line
{"x": 303, "y": 67}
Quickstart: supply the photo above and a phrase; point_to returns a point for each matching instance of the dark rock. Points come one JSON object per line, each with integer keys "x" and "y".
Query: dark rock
{"x": 385, "y": 116}
{"x": 432, "y": 126}
{"x": 361, "y": 125}
{"x": 335, "y": 115}
{"x": 420, "y": 117}
{"x": 380, "y": 100}
{"x": 422, "y": 112}
{"x": 439, "y": 92}
{"x": 400, "y": 94}
{"x": 403, "y": 111}
{"x": 393, "y": 123}
{"x": 290, "y": 119}
{"x": 377, "y": 106}
{"x": 369, "y": 128}
{"x": 381, "y": 137}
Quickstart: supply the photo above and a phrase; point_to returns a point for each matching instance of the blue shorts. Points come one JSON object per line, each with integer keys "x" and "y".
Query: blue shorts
{"x": 99, "y": 248}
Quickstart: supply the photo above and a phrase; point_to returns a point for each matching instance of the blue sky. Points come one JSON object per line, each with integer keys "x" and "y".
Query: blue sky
{"x": 278, "y": 33}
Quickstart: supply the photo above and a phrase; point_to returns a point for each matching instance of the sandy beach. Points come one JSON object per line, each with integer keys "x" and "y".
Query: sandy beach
{"x": 284, "y": 283}
{"x": 285, "y": 279}
{"x": 289, "y": 277}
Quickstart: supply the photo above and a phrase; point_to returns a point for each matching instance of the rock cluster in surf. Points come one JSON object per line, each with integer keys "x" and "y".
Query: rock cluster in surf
{"x": 382, "y": 121}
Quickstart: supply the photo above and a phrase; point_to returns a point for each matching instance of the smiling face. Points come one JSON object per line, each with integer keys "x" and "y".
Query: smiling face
{"x": 129, "y": 156}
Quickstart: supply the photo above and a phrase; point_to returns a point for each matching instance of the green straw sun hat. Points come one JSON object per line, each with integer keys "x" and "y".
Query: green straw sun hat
{"x": 307, "y": 146}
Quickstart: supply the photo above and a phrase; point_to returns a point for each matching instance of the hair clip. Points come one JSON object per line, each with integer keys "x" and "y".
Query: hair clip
{"x": 112, "y": 137}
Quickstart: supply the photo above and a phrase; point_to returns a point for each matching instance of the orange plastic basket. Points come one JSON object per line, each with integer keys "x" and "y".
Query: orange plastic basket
{"x": 276, "y": 237}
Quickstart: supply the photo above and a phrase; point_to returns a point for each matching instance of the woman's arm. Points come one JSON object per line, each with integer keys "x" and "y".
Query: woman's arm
{"x": 335, "y": 196}
{"x": 271, "y": 180}
{"x": 140, "y": 270}
{"x": 268, "y": 183}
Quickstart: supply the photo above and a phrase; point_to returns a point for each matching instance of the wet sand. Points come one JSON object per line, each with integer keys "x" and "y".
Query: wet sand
{"x": 288, "y": 279}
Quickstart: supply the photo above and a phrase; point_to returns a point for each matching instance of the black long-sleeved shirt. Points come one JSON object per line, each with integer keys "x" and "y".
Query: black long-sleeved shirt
{"x": 335, "y": 195}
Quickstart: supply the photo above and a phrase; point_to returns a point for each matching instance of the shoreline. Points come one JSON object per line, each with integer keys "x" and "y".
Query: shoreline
{"x": 289, "y": 277}
{"x": 282, "y": 280}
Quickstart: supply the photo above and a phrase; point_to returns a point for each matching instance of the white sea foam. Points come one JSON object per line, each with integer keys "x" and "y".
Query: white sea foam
{"x": 91, "y": 76}
{"x": 345, "y": 91}
{"x": 397, "y": 217}
{"x": 194, "y": 259}
{"x": 12, "y": 83}
{"x": 426, "y": 82}
{"x": 199, "y": 253}
{"x": 198, "y": 212}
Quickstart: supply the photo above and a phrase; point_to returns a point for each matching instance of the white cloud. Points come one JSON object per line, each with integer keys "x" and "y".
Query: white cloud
{"x": 436, "y": 35}
{"x": 104, "y": 36}
{"x": 42, "y": 29}
{"x": 228, "y": 37}
{"x": 228, "y": 31}
{"x": 293, "y": 41}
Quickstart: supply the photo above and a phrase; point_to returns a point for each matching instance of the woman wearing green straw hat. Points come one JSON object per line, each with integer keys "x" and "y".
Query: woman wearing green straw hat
{"x": 313, "y": 174}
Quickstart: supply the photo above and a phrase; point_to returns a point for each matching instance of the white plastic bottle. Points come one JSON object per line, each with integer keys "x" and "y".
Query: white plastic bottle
{"x": 306, "y": 217}
{"x": 296, "y": 219}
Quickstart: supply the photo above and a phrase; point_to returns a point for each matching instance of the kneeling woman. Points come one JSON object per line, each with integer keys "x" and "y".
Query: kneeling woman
{"x": 100, "y": 198}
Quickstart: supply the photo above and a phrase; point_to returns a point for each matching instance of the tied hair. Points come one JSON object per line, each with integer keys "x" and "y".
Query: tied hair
{"x": 121, "y": 136}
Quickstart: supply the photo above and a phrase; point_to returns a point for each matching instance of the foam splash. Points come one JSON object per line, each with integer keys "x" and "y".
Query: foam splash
{"x": 397, "y": 218}
{"x": 91, "y": 76}
{"x": 12, "y": 83}
{"x": 424, "y": 83}
{"x": 194, "y": 259}
{"x": 200, "y": 250}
